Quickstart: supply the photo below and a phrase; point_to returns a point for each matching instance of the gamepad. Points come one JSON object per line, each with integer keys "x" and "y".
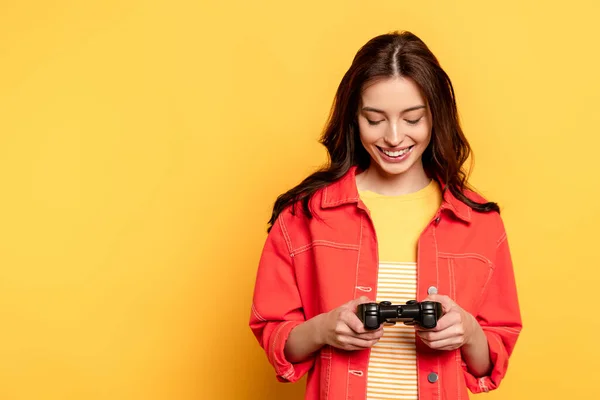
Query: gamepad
{"x": 425, "y": 314}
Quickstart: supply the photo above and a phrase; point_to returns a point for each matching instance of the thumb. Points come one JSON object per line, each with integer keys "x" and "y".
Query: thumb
{"x": 446, "y": 301}
{"x": 361, "y": 300}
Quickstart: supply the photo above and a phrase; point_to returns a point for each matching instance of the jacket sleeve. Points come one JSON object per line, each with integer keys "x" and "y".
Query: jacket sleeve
{"x": 277, "y": 306}
{"x": 500, "y": 319}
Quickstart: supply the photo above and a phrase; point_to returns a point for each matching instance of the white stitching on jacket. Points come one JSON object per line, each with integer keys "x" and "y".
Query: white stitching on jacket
{"x": 256, "y": 314}
{"x": 286, "y": 236}
{"x": 274, "y": 341}
{"x": 335, "y": 203}
{"x": 502, "y": 239}
{"x": 289, "y": 373}
{"x": 314, "y": 243}
{"x": 482, "y": 384}
{"x": 466, "y": 255}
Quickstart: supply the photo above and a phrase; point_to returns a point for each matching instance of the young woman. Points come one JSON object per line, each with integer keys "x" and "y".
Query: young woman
{"x": 389, "y": 218}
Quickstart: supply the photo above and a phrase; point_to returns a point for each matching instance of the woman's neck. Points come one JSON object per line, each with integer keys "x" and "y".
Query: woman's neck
{"x": 376, "y": 180}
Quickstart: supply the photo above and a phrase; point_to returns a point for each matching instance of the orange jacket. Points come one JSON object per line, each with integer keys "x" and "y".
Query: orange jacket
{"x": 311, "y": 266}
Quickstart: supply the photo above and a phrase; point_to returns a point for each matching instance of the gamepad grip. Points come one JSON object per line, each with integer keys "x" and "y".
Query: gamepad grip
{"x": 425, "y": 314}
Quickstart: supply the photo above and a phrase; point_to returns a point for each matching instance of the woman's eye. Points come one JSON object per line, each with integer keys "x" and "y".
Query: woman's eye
{"x": 413, "y": 122}
{"x": 373, "y": 122}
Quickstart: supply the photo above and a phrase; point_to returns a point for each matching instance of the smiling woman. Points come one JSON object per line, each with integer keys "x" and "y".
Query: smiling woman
{"x": 396, "y": 221}
{"x": 395, "y": 129}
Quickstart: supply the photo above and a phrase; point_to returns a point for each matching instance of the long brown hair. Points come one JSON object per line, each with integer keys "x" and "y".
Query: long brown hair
{"x": 393, "y": 54}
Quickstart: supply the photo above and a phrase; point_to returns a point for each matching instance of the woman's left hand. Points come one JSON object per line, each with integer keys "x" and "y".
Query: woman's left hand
{"x": 455, "y": 329}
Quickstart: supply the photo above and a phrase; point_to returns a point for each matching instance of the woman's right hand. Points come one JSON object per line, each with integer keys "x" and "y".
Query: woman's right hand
{"x": 341, "y": 328}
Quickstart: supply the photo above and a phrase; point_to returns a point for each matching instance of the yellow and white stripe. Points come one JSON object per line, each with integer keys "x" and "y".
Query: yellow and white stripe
{"x": 392, "y": 372}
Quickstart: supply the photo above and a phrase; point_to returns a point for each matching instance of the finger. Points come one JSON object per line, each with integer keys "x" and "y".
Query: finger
{"x": 352, "y": 304}
{"x": 370, "y": 335}
{"x": 364, "y": 334}
{"x": 449, "y": 347}
{"x": 350, "y": 341}
{"x": 444, "y": 344}
{"x": 344, "y": 335}
{"x": 358, "y": 328}
{"x": 353, "y": 322}
{"x": 431, "y": 336}
{"x": 342, "y": 329}
{"x": 447, "y": 320}
{"x": 350, "y": 348}
{"x": 447, "y": 302}
{"x": 453, "y": 331}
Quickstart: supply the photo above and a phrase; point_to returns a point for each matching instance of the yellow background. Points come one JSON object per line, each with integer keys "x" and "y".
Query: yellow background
{"x": 142, "y": 144}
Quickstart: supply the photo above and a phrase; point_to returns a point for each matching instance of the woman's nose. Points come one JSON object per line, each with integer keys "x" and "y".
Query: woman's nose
{"x": 394, "y": 135}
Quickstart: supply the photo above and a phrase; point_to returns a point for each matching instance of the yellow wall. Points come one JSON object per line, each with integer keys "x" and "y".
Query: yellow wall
{"x": 143, "y": 143}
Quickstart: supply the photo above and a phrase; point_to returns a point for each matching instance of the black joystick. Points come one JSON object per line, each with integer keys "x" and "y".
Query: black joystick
{"x": 425, "y": 314}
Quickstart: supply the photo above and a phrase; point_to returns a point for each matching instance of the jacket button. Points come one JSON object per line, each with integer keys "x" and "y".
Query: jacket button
{"x": 432, "y": 290}
{"x": 432, "y": 377}
{"x": 437, "y": 220}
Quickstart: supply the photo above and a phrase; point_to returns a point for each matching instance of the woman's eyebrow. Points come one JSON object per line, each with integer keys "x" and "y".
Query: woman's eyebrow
{"x": 383, "y": 112}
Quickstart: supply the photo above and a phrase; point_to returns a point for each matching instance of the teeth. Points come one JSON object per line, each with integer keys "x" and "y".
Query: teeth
{"x": 396, "y": 153}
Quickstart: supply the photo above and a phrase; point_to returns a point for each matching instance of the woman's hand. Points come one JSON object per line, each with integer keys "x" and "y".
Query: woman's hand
{"x": 455, "y": 329}
{"x": 459, "y": 329}
{"x": 341, "y": 328}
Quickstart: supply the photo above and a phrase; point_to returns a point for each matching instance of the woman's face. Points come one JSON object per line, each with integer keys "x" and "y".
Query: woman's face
{"x": 395, "y": 125}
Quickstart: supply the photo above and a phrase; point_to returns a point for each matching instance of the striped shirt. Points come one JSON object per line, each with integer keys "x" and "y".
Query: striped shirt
{"x": 392, "y": 370}
{"x": 398, "y": 221}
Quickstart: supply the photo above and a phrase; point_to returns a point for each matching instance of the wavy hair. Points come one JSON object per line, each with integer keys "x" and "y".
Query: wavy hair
{"x": 396, "y": 54}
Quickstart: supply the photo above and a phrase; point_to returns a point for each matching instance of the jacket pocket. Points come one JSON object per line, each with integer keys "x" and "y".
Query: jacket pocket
{"x": 469, "y": 277}
{"x": 326, "y": 274}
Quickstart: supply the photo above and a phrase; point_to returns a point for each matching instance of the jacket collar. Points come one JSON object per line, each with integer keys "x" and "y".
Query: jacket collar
{"x": 344, "y": 191}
